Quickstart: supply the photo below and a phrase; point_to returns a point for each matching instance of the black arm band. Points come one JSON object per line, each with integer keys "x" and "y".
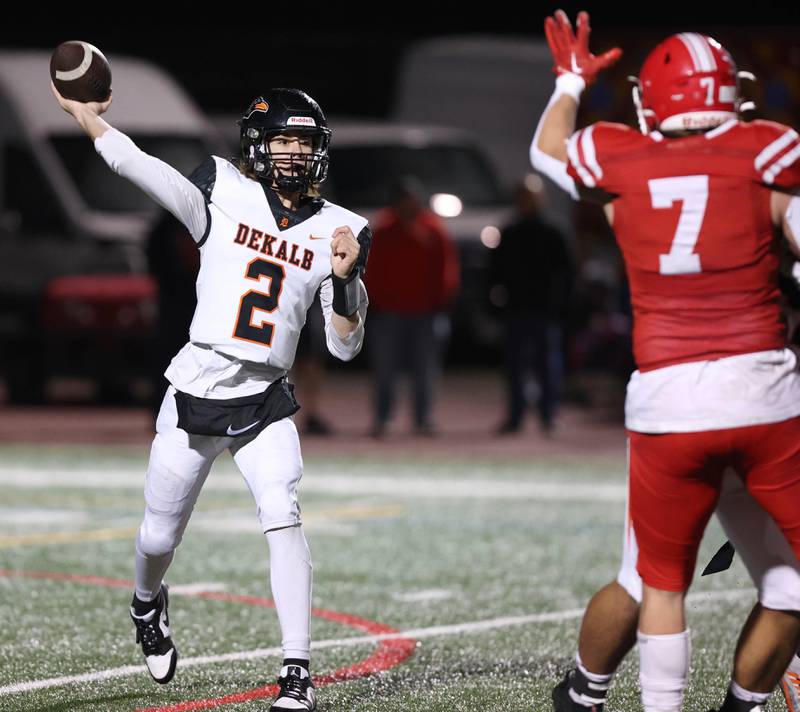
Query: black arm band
{"x": 346, "y": 293}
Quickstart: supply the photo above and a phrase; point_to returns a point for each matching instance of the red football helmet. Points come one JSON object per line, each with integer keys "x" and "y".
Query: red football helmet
{"x": 687, "y": 82}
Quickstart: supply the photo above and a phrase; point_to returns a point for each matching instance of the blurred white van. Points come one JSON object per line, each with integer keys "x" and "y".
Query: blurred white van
{"x": 74, "y": 293}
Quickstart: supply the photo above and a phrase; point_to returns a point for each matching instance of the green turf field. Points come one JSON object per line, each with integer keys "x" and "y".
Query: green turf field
{"x": 485, "y": 565}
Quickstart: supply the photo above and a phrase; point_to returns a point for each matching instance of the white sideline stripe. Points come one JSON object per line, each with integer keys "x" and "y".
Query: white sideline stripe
{"x": 559, "y": 489}
{"x": 416, "y": 633}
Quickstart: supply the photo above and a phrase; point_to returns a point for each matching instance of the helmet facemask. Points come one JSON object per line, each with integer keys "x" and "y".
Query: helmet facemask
{"x": 302, "y": 171}
{"x": 285, "y": 112}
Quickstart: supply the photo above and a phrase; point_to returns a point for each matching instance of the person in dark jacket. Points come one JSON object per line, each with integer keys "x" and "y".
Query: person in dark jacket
{"x": 531, "y": 273}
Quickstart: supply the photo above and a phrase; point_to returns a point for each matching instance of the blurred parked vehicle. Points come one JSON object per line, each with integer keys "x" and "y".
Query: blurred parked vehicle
{"x": 75, "y": 297}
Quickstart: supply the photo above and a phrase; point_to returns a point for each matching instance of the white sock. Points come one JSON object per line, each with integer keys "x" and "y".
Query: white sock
{"x": 759, "y": 698}
{"x": 290, "y": 577}
{"x": 150, "y": 572}
{"x": 663, "y": 670}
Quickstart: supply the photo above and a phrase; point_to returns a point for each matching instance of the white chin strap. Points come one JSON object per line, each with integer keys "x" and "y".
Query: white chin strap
{"x": 642, "y": 114}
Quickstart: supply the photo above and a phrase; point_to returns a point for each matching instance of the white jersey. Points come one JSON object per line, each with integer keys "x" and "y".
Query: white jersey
{"x": 260, "y": 267}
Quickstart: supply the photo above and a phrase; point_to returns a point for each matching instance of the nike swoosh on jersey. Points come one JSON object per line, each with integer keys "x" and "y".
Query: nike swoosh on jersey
{"x": 239, "y": 431}
{"x": 313, "y": 237}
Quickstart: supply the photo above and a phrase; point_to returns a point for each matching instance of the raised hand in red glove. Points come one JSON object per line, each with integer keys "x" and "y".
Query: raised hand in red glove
{"x": 571, "y": 51}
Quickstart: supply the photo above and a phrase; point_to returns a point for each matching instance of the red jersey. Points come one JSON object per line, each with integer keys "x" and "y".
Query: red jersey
{"x": 692, "y": 218}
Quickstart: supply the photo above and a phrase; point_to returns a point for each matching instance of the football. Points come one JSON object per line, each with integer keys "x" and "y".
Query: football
{"x": 80, "y": 71}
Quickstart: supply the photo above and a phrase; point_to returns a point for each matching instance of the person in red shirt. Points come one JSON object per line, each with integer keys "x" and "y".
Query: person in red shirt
{"x": 413, "y": 275}
{"x": 693, "y": 198}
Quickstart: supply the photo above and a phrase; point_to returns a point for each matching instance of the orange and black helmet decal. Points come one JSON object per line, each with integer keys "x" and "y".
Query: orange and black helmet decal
{"x": 258, "y": 105}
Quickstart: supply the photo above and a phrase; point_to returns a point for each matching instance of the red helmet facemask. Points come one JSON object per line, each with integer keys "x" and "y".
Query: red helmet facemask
{"x": 688, "y": 82}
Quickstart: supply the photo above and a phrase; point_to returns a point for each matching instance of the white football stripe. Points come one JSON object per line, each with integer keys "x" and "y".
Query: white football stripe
{"x": 416, "y": 633}
{"x": 574, "y": 159}
{"x": 589, "y": 154}
{"x": 701, "y": 53}
{"x": 690, "y": 49}
{"x": 721, "y": 129}
{"x": 81, "y": 69}
{"x": 784, "y": 162}
{"x": 775, "y": 148}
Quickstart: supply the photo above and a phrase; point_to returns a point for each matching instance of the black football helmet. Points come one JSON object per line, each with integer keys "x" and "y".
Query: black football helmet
{"x": 285, "y": 111}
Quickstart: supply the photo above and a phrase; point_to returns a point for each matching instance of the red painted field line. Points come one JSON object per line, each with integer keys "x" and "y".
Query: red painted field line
{"x": 388, "y": 654}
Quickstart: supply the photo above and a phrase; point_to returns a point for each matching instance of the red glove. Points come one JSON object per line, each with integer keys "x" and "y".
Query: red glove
{"x": 571, "y": 52}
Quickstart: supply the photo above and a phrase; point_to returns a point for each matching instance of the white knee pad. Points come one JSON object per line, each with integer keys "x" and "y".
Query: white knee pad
{"x": 272, "y": 466}
{"x": 158, "y": 535}
{"x": 278, "y": 507}
{"x": 766, "y": 554}
{"x": 780, "y": 588}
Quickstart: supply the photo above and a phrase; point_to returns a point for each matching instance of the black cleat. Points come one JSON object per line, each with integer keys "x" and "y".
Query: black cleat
{"x": 563, "y": 702}
{"x": 297, "y": 691}
{"x": 152, "y": 632}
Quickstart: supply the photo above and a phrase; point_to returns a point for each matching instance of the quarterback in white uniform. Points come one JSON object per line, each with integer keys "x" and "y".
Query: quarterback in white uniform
{"x": 267, "y": 245}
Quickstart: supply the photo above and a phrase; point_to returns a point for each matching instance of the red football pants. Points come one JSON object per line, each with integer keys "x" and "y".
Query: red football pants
{"x": 674, "y": 486}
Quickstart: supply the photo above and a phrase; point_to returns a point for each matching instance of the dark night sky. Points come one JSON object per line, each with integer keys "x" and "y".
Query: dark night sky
{"x": 348, "y": 62}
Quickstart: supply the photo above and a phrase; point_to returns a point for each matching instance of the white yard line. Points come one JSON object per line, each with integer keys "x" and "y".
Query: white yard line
{"x": 416, "y": 633}
{"x": 402, "y": 486}
{"x": 192, "y": 589}
{"x": 431, "y": 594}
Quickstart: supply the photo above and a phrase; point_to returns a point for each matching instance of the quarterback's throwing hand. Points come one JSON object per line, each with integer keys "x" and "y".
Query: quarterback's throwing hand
{"x": 571, "y": 50}
{"x": 344, "y": 251}
{"x": 77, "y": 107}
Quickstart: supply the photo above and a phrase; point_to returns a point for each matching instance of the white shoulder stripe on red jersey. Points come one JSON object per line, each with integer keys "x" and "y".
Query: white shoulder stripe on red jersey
{"x": 575, "y": 159}
{"x": 721, "y": 129}
{"x": 701, "y": 53}
{"x": 589, "y": 154}
{"x": 785, "y": 161}
{"x": 773, "y": 149}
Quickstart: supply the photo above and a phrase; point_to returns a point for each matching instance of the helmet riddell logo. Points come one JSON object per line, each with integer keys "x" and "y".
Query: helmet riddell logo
{"x": 300, "y": 121}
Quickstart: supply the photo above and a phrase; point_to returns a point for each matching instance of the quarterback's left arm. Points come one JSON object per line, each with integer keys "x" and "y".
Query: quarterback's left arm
{"x": 343, "y": 295}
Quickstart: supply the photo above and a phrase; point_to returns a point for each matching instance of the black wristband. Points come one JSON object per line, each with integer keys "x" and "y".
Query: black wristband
{"x": 346, "y": 293}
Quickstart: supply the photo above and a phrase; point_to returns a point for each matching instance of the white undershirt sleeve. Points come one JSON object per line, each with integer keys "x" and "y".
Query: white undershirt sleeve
{"x": 168, "y": 187}
{"x": 554, "y": 169}
{"x": 347, "y": 348}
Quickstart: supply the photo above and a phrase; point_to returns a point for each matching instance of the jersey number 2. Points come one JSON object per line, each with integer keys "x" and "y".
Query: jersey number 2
{"x": 692, "y": 191}
{"x": 265, "y": 301}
